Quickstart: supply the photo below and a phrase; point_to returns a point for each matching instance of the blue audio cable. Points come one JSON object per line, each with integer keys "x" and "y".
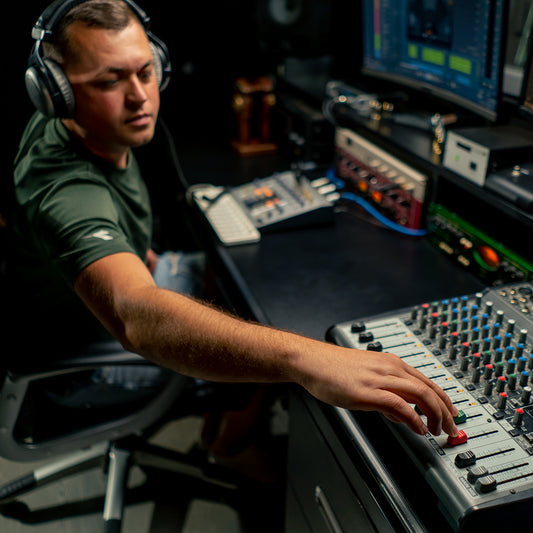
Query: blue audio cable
{"x": 371, "y": 209}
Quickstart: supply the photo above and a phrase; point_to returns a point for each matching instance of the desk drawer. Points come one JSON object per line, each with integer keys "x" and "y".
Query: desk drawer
{"x": 331, "y": 497}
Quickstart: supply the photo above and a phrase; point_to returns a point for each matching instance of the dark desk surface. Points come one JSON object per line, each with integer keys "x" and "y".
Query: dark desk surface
{"x": 308, "y": 279}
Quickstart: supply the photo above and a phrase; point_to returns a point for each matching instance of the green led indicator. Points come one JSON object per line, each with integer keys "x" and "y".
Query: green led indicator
{"x": 461, "y": 64}
{"x": 433, "y": 56}
{"x": 377, "y": 41}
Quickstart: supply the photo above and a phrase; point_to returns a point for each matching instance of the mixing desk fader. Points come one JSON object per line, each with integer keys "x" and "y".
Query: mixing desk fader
{"x": 477, "y": 348}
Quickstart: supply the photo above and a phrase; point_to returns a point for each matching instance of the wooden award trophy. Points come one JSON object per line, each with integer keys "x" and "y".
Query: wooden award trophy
{"x": 252, "y": 103}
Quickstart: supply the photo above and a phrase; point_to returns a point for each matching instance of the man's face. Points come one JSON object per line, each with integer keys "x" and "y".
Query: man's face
{"x": 116, "y": 90}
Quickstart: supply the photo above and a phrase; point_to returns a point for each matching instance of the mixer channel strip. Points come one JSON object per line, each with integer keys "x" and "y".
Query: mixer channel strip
{"x": 478, "y": 350}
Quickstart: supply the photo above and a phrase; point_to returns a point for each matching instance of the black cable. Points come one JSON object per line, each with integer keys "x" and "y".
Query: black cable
{"x": 174, "y": 155}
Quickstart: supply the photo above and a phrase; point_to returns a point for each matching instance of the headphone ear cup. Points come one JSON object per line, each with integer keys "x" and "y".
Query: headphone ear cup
{"x": 50, "y": 91}
{"x": 162, "y": 65}
{"x": 158, "y": 68}
{"x": 64, "y": 102}
{"x": 38, "y": 93}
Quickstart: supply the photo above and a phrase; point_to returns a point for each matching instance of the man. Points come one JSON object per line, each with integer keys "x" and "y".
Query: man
{"x": 98, "y": 252}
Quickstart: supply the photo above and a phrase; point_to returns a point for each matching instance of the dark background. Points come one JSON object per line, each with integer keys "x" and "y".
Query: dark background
{"x": 211, "y": 43}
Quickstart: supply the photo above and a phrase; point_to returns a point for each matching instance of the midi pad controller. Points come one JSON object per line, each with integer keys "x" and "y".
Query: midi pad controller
{"x": 478, "y": 350}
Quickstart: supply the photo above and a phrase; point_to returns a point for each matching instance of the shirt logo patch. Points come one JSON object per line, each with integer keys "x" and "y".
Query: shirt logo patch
{"x": 102, "y": 234}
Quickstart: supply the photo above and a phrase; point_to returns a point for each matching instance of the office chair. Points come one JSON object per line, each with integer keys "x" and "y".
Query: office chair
{"x": 37, "y": 424}
{"x": 42, "y": 417}
{"x": 114, "y": 437}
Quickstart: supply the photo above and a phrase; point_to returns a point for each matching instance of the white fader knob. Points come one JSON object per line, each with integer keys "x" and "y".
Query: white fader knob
{"x": 526, "y": 395}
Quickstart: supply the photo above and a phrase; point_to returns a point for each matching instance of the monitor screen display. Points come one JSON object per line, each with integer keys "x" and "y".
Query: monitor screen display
{"x": 526, "y": 100}
{"x": 451, "y": 48}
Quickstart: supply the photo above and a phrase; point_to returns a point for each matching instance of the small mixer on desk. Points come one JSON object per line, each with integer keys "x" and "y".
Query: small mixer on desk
{"x": 477, "y": 349}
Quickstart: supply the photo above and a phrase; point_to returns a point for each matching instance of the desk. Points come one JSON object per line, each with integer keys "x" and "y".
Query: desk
{"x": 306, "y": 280}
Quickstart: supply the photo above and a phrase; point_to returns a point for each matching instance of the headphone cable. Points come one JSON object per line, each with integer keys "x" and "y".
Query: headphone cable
{"x": 174, "y": 155}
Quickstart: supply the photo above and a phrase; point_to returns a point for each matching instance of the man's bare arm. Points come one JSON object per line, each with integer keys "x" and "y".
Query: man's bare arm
{"x": 197, "y": 340}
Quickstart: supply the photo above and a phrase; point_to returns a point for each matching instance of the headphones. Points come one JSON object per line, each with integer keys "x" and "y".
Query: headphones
{"x": 47, "y": 84}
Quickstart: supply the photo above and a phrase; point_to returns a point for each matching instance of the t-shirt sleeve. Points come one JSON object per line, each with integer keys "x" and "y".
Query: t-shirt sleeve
{"x": 79, "y": 224}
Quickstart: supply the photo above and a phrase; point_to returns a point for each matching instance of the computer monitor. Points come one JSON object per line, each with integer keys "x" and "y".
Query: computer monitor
{"x": 519, "y": 27}
{"x": 526, "y": 98}
{"x": 450, "y": 48}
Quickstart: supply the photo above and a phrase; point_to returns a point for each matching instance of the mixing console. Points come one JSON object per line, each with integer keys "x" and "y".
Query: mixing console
{"x": 286, "y": 200}
{"x": 478, "y": 350}
{"x": 282, "y": 201}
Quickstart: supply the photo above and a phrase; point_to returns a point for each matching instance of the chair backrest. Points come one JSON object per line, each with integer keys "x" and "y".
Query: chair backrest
{"x": 3, "y": 253}
{"x": 22, "y": 374}
{"x": 17, "y": 386}
{"x": 19, "y": 378}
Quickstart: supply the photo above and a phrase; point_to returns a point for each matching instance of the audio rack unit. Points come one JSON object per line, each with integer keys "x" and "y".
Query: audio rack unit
{"x": 396, "y": 189}
{"x": 472, "y": 249}
{"x": 477, "y": 348}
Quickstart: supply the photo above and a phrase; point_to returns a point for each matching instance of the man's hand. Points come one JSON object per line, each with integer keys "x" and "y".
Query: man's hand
{"x": 151, "y": 260}
{"x": 375, "y": 381}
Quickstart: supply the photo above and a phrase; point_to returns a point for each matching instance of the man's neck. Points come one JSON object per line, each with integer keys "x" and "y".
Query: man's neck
{"x": 118, "y": 158}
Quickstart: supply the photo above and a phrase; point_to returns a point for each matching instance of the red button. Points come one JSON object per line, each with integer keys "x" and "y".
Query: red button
{"x": 460, "y": 439}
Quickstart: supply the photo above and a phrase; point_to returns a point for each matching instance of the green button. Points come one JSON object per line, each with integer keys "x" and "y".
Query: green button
{"x": 460, "y": 418}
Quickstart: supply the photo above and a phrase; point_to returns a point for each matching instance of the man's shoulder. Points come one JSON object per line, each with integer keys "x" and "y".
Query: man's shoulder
{"x": 44, "y": 142}
{"x": 47, "y": 154}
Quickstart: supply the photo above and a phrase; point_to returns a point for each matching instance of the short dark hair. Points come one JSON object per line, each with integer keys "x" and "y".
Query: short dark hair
{"x": 104, "y": 14}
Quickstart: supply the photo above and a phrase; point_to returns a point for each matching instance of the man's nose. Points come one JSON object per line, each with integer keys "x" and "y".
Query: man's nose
{"x": 136, "y": 92}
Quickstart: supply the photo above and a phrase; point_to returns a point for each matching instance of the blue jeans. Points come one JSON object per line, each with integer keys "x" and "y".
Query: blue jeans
{"x": 181, "y": 272}
{"x": 177, "y": 271}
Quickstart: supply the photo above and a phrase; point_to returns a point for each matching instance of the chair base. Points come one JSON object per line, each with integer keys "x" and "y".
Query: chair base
{"x": 193, "y": 471}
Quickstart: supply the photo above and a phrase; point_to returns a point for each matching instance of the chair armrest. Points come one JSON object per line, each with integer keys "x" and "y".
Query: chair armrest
{"x": 98, "y": 354}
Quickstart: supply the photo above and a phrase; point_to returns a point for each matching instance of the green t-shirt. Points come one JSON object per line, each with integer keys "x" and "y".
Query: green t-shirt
{"x": 71, "y": 208}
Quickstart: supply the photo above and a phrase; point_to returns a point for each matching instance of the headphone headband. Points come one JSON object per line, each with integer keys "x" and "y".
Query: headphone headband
{"x": 54, "y": 13}
{"x": 47, "y": 84}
